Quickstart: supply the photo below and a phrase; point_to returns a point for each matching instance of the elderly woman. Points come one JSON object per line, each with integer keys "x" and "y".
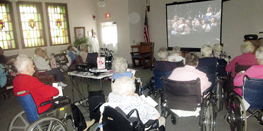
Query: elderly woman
{"x": 119, "y": 66}
{"x": 206, "y": 52}
{"x": 247, "y": 57}
{"x": 83, "y": 52}
{"x": 24, "y": 81}
{"x": 71, "y": 54}
{"x": 175, "y": 55}
{"x": 218, "y": 53}
{"x": 162, "y": 63}
{"x": 254, "y": 71}
{"x": 189, "y": 72}
{"x": 123, "y": 96}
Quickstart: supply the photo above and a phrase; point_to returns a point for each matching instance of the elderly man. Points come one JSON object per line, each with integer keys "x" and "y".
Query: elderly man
{"x": 254, "y": 71}
{"x": 247, "y": 57}
{"x": 189, "y": 72}
{"x": 43, "y": 64}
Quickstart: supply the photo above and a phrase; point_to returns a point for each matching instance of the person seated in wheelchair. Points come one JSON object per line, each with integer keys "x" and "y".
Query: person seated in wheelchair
{"x": 246, "y": 58}
{"x": 219, "y": 53}
{"x": 206, "y": 60}
{"x": 25, "y": 81}
{"x": 162, "y": 67}
{"x": 189, "y": 72}
{"x": 176, "y": 55}
{"x": 123, "y": 96}
{"x": 255, "y": 71}
{"x": 119, "y": 66}
{"x": 3, "y": 77}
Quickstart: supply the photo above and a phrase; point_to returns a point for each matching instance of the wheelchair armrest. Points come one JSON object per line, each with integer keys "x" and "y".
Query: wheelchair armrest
{"x": 61, "y": 98}
{"x": 153, "y": 123}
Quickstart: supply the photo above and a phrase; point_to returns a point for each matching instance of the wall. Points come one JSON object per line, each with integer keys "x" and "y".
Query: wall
{"x": 118, "y": 10}
{"x": 240, "y": 17}
{"x": 80, "y": 15}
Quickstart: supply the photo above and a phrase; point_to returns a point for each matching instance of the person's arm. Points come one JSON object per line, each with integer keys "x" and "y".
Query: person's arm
{"x": 41, "y": 63}
{"x": 44, "y": 91}
{"x": 231, "y": 66}
{"x": 238, "y": 80}
{"x": 205, "y": 83}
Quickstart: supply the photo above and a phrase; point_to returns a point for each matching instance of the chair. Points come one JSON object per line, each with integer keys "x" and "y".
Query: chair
{"x": 239, "y": 68}
{"x": 42, "y": 75}
{"x": 145, "y": 52}
{"x": 114, "y": 119}
{"x": 186, "y": 95}
{"x": 252, "y": 93}
{"x": 55, "y": 118}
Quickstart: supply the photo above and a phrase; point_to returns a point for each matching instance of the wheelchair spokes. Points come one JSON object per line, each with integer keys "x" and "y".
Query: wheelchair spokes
{"x": 236, "y": 117}
{"x": 208, "y": 115}
{"x": 47, "y": 124}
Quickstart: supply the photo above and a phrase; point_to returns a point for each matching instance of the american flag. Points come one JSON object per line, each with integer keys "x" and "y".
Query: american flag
{"x": 146, "y": 29}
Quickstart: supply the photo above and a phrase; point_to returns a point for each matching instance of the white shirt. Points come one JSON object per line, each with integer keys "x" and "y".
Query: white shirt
{"x": 41, "y": 63}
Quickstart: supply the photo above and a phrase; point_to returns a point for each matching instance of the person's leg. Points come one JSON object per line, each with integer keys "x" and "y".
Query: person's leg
{"x": 57, "y": 73}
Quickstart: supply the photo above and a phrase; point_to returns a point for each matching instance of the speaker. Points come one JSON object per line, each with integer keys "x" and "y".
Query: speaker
{"x": 251, "y": 37}
{"x": 95, "y": 98}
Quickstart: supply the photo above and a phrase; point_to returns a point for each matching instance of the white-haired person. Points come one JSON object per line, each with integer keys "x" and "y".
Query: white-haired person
{"x": 123, "y": 95}
{"x": 246, "y": 58}
{"x": 255, "y": 71}
{"x": 119, "y": 66}
{"x": 25, "y": 81}
{"x": 189, "y": 72}
{"x": 162, "y": 67}
{"x": 176, "y": 55}
{"x": 43, "y": 64}
{"x": 83, "y": 52}
{"x": 206, "y": 60}
{"x": 219, "y": 53}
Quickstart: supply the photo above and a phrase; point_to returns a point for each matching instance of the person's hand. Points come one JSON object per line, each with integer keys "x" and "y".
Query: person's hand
{"x": 135, "y": 94}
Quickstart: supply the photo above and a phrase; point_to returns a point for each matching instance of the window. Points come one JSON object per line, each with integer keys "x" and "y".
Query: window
{"x": 31, "y": 24}
{"x": 58, "y": 23}
{"x": 7, "y": 37}
{"x": 109, "y": 36}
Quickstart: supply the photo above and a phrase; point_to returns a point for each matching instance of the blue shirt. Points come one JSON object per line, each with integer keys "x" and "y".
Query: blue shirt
{"x": 117, "y": 75}
{"x": 3, "y": 78}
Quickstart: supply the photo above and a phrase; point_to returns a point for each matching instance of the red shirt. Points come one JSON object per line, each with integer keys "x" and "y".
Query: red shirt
{"x": 38, "y": 90}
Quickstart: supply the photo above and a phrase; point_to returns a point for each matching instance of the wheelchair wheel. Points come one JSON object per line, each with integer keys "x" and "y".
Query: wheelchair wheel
{"x": 219, "y": 96}
{"x": 208, "y": 115}
{"x": 20, "y": 117}
{"x": 47, "y": 124}
{"x": 236, "y": 117}
{"x": 173, "y": 119}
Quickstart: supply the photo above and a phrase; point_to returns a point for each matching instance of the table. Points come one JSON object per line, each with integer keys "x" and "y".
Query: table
{"x": 89, "y": 76}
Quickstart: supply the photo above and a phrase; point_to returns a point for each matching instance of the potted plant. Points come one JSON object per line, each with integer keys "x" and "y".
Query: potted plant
{"x": 84, "y": 40}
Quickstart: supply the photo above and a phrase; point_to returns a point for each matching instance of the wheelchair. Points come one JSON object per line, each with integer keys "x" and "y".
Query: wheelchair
{"x": 238, "y": 113}
{"x": 114, "y": 119}
{"x": 30, "y": 120}
{"x": 186, "y": 96}
{"x": 162, "y": 69}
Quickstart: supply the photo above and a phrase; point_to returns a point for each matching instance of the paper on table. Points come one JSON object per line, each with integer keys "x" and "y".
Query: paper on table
{"x": 149, "y": 100}
{"x": 56, "y": 85}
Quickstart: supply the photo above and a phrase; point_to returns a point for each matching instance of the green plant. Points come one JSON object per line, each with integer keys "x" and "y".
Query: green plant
{"x": 80, "y": 41}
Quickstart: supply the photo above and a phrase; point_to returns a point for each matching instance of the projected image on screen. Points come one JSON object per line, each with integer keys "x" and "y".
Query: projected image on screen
{"x": 193, "y": 24}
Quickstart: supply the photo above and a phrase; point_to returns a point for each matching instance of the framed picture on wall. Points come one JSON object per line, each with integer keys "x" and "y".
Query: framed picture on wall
{"x": 79, "y": 32}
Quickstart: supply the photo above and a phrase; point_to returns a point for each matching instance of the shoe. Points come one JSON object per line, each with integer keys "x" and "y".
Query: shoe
{"x": 62, "y": 84}
{"x": 89, "y": 124}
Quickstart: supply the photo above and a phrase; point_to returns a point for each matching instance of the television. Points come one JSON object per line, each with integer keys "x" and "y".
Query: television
{"x": 192, "y": 24}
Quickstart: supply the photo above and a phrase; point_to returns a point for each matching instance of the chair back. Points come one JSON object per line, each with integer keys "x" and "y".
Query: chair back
{"x": 182, "y": 95}
{"x": 211, "y": 73}
{"x": 239, "y": 68}
{"x": 221, "y": 68}
{"x": 114, "y": 119}
{"x": 29, "y": 107}
{"x": 253, "y": 92}
{"x": 162, "y": 69}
